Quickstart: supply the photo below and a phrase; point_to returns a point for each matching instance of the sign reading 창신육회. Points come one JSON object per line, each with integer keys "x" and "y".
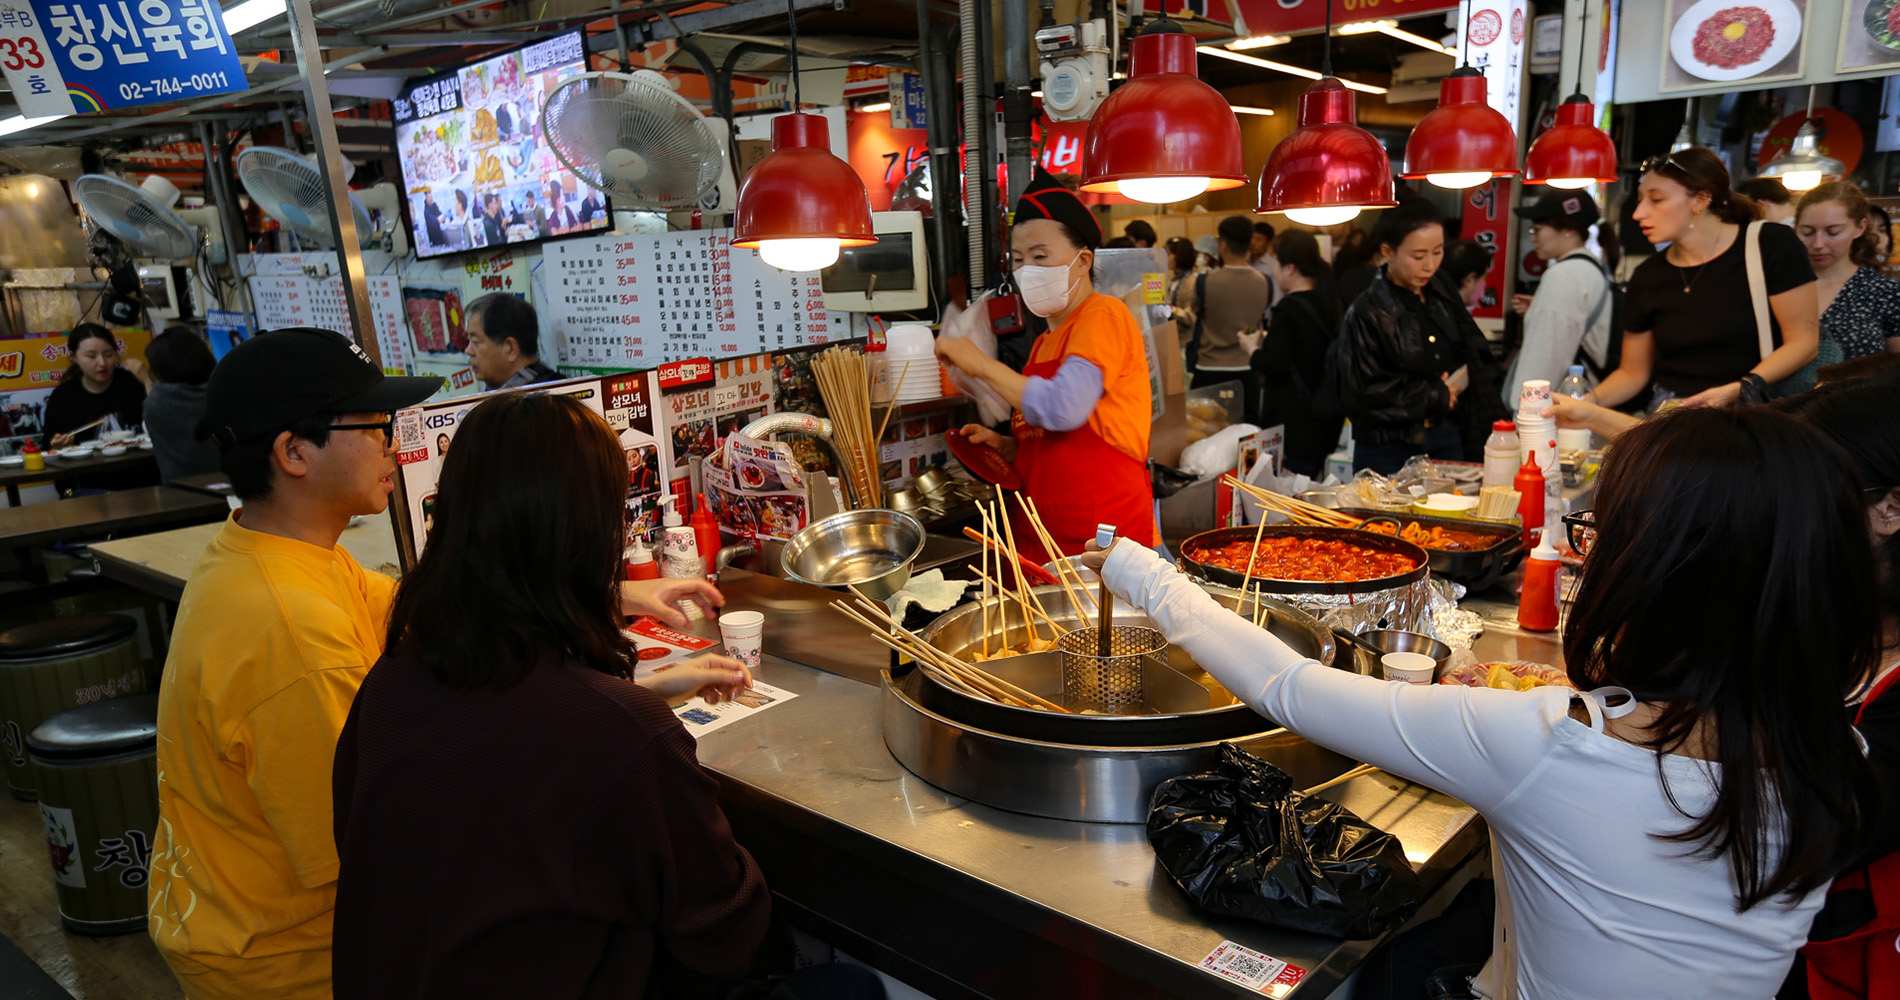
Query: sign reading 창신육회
{"x": 63, "y": 57}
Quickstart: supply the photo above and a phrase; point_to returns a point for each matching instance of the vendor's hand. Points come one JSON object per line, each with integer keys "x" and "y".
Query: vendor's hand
{"x": 61, "y": 440}
{"x": 979, "y": 434}
{"x": 964, "y": 354}
{"x": 1725, "y": 394}
{"x": 1571, "y": 413}
{"x": 662, "y": 599}
{"x": 714, "y": 678}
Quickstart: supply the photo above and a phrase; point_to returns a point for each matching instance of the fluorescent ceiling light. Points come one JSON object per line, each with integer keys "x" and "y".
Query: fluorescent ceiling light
{"x": 1241, "y": 109}
{"x": 1392, "y": 29}
{"x": 877, "y": 106}
{"x": 20, "y": 123}
{"x": 1258, "y": 42}
{"x": 252, "y": 13}
{"x": 1214, "y": 50}
{"x": 1364, "y": 27}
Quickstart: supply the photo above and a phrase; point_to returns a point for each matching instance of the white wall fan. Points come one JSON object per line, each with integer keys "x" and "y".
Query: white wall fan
{"x": 289, "y": 188}
{"x": 631, "y": 136}
{"x": 142, "y": 218}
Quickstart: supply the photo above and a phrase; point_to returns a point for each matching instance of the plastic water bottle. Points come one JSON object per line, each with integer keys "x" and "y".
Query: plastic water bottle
{"x": 1576, "y": 386}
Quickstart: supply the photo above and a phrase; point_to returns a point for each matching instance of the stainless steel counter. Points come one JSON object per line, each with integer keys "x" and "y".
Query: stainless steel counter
{"x": 964, "y": 900}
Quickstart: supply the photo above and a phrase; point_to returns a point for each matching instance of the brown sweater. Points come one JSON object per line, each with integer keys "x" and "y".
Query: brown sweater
{"x": 545, "y": 841}
{"x": 1236, "y": 301}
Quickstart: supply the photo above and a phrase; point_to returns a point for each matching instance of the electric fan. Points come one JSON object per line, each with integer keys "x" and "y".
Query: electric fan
{"x": 141, "y": 217}
{"x": 632, "y": 137}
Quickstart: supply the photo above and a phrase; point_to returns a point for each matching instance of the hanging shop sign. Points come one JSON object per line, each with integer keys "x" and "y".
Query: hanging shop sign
{"x": 73, "y": 58}
{"x": 1494, "y": 34}
{"x": 907, "y": 100}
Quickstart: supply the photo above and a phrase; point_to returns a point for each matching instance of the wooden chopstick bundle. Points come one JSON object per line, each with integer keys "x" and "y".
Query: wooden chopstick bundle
{"x": 844, "y": 382}
{"x": 967, "y": 677}
{"x": 1296, "y": 510}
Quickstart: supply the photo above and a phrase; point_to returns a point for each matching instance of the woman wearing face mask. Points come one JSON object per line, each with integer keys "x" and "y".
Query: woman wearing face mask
{"x": 94, "y": 386}
{"x": 1860, "y": 307}
{"x": 1079, "y": 433}
{"x": 1412, "y": 351}
{"x": 1688, "y": 318}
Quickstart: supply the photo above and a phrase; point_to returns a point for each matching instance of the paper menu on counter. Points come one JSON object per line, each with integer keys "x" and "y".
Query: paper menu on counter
{"x": 660, "y": 646}
{"x": 701, "y": 718}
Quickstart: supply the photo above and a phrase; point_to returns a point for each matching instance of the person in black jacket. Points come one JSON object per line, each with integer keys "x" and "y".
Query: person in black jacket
{"x": 1292, "y": 362}
{"x": 97, "y": 384}
{"x": 1411, "y": 352}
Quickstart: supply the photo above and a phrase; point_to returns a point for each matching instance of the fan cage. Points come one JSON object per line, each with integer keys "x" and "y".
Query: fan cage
{"x": 600, "y": 118}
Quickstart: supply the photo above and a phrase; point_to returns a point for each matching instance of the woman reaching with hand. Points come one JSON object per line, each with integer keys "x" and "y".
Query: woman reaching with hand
{"x": 1669, "y": 829}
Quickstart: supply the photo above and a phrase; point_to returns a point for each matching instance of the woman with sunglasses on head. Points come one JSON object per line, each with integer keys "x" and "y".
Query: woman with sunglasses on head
{"x": 500, "y": 771}
{"x": 1669, "y": 829}
{"x": 1689, "y": 321}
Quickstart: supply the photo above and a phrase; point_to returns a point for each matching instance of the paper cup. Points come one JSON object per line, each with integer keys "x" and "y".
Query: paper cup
{"x": 743, "y": 634}
{"x": 1535, "y": 397}
{"x": 1411, "y": 668}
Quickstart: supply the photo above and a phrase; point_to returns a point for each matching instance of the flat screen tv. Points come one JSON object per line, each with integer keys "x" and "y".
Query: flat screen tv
{"x": 477, "y": 172}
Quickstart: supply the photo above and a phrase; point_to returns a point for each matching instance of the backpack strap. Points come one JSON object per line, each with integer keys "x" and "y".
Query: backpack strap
{"x": 1758, "y": 287}
{"x": 1200, "y": 305}
{"x": 1597, "y": 370}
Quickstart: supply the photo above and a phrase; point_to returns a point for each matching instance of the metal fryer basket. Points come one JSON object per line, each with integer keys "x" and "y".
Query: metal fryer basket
{"x": 1106, "y": 684}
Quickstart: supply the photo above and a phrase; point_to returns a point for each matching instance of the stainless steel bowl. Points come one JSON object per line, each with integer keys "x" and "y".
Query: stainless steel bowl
{"x": 870, "y": 551}
{"x": 1392, "y": 640}
{"x": 905, "y": 499}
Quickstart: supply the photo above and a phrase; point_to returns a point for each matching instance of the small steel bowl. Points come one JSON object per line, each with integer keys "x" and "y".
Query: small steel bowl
{"x": 905, "y": 499}
{"x": 933, "y": 481}
{"x": 869, "y": 551}
{"x": 1393, "y": 640}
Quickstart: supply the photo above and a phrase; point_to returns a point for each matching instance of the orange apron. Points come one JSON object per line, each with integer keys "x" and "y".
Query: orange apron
{"x": 1078, "y": 480}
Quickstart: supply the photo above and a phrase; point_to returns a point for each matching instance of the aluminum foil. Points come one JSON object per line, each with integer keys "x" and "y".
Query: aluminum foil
{"x": 1451, "y": 624}
{"x": 1408, "y": 607}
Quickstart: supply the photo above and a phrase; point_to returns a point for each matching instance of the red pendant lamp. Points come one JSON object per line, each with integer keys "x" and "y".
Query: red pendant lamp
{"x": 1164, "y": 135}
{"x": 1464, "y": 142}
{"x": 801, "y": 203}
{"x": 1329, "y": 169}
{"x": 1574, "y": 153}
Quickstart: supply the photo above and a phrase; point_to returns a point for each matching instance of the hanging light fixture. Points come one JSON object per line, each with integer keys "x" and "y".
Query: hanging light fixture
{"x": 1164, "y": 136}
{"x": 1803, "y": 167}
{"x": 801, "y": 203}
{"x": 1464, "y": 142}
{"x": 1686, "y": 137}
{"x": 1575, "y": 153}
{"x": 1329, "y": 169}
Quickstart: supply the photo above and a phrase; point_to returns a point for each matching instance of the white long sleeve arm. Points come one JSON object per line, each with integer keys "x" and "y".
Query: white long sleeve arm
{"x": 1477, "y": 744}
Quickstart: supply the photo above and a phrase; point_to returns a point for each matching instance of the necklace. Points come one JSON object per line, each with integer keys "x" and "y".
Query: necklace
{"x": 1688, "y": 282}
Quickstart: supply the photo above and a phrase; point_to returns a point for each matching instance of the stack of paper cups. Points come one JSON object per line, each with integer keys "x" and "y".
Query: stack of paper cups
{"x": 743, "y": 634}
{"x": 1537, "y": 439}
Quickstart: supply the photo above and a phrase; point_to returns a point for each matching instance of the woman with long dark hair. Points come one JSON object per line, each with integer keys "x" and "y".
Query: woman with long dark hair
{"x": 1292, "y": 361}
{"x": 1668, "y": 830}
{"x": 1689, "y": 322}
{"x": 96, "y": 384}
{"x": 515, "y": 816}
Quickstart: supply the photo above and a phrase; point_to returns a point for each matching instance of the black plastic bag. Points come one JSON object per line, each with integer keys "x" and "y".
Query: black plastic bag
{"x": 1241, "y": 842}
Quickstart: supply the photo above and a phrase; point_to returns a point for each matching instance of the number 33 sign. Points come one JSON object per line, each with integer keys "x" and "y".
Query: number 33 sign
{"x": 63, "y": 57}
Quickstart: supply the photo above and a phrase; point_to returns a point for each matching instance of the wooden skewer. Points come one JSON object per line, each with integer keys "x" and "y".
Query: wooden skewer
{"x": 1063, "y": 569}
{"x": 983, "y": 594}
{"x": 1294, "y": 507}
{"x": 1362, "y": 769}
{"x": 938, "y": 663}
{"x": 951, "y": 662}
{"x": 893, "y": 406}
{"x": 990, "y": 526}
{"x": 1016, "y": 559}
{"x": 1040, "y": 575}
{"x": 1253, "y": 555}
{"x": 1059, "y": 629}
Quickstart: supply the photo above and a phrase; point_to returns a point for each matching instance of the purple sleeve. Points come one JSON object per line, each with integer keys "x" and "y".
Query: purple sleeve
{"x": 1064, "y": 402}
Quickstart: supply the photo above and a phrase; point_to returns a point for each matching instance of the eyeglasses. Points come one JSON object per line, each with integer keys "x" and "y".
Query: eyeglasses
{"x": 1582, "y": 528}
{"x": 388, "y": 427}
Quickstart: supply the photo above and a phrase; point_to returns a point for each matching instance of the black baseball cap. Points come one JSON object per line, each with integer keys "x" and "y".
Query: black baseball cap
{"x": 1574, "y": 207}
{"x": 277, "y": 378}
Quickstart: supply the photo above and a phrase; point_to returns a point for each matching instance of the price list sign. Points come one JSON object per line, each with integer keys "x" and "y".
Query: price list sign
{"x": 392, "y": 336}
{"x": 329, "y": 307}
{"x": 594, "y": 308}
{"x": 278, "y": 302}
{"x": 786, "y": 308}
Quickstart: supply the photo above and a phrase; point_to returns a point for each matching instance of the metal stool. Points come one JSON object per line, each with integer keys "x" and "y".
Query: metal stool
{"x": 49, "y": 667}
{"x": 97, "y": 773}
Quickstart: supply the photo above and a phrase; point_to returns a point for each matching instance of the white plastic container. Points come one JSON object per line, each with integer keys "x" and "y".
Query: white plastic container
{"x": 1501, "y": 458}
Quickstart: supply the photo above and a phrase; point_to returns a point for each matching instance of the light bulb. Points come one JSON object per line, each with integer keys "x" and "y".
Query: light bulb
{"x": 1801, "y": 180}
{"x": 1460, "y": 180}
{"x": 799, "y": 255}
{"x": 1571, "y": 183}
{"x": 1327, "y": 216}
{"x": 1162, "y": 190}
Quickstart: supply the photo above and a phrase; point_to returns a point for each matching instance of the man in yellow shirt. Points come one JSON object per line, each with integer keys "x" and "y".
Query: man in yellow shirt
{"x": 276, "y": 630}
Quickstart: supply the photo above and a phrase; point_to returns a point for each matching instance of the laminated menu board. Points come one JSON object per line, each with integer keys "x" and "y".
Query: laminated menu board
{"x": 627, "y": 403}
{"x": 392, "y": 333}
{"x": 642, "y": 300}
{"x": 294, "y": 300}
{"x": 694, "y": 419}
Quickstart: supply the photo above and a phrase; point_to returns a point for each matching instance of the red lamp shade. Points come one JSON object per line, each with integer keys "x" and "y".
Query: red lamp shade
{"x": 1574, "y": 153}
{"x": 1464, "y": 141}
{"x": 1164, "y": 135}
{"x": 800, "y": 191}
{"x": 1329, "y": 168}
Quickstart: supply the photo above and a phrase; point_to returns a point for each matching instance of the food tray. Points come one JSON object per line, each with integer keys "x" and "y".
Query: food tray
{"x": 1229, "y": 578}
{"x": 1476, "y": 569}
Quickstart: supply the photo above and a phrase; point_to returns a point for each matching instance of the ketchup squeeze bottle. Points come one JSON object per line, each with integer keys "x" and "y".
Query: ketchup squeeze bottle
{"x": 1529, "y": 485}
{"x": 1537, "y": 603}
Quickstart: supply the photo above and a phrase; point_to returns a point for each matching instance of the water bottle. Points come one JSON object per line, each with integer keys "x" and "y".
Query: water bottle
{"x": 1576, "y": 386}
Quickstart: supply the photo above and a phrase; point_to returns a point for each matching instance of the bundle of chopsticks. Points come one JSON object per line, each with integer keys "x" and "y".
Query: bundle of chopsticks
{"x": 1000, "y": 559}
{"x": 844, "y": 377}
{"x": 1297, "y": 511}
{"x": 944, "y": 668}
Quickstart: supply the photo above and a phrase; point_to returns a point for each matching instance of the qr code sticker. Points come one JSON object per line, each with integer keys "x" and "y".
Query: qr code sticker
{"x": 1261, "y": 973}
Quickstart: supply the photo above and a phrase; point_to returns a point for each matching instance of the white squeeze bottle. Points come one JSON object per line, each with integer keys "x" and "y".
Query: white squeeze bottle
{"x": 1501, "y": 454}
{"x": 679, "y": 548}
{"x": 1576, "y": 386}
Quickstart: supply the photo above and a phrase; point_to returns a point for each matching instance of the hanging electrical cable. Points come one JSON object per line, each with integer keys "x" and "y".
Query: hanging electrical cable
{"x": 1574, "y": 153}
{"x": 1329, "y": 169}
{"x": 1463, "y": 142}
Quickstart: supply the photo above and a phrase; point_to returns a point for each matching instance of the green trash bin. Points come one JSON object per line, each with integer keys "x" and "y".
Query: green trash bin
{"x": 51, "y": 666}
{"x": 97, "y": 773}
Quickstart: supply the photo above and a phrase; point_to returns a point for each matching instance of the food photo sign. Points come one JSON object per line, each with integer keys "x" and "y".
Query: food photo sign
{"x": 1728, "y": 41}
{"x": 1870, "y": 36}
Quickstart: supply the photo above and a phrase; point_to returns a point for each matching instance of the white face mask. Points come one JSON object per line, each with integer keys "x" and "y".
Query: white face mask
{"x": 1046, "y": 289}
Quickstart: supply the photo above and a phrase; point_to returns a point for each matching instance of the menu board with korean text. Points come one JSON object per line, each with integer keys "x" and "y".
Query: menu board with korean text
{"x": 392, "y": 334}
{"x": 293, "y": 300}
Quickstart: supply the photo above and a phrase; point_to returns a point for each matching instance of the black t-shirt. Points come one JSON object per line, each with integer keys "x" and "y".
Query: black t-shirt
{"x": 70, "y": 405}
{"x": 1706, "y": 337}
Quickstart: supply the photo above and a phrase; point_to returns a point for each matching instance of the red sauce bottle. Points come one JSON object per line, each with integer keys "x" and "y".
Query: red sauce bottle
{"x": 1537, "y": 604}
{"x": 1530, "y": 500}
